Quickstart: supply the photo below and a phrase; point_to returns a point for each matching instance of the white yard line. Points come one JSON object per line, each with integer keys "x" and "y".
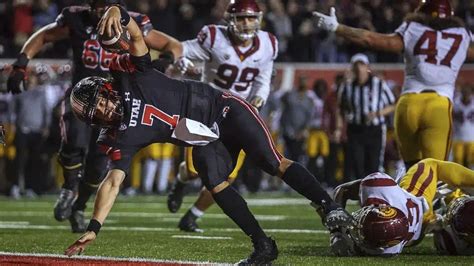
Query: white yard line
{"x": 155, "y": 229}
{"x": 263, "y": 217}
{"x": 201, "y": 237}
{"x": 56, "y": 256}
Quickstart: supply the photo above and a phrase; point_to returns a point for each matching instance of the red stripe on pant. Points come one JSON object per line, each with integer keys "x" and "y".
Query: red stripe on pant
{"x": 262, "y": 124}
{"x": 416, "y": 176}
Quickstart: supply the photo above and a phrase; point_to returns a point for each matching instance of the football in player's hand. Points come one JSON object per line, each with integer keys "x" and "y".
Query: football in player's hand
{"x": 118, "y": 43}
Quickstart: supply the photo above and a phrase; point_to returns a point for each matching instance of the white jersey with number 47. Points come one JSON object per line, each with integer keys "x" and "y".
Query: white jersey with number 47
{"x": 433, "y": 57}
{"x": 245, "y": 71}
{"x": 379, "y": 188}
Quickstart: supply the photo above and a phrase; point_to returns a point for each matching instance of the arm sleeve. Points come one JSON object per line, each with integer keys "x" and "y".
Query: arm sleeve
{"x": 61, "y": 19}
{"x": 143, "y": 22}
{"x": 120, "y": 155}
{"x": 200, "y": 47}
{"x": 387, "y": 95}
{"x": 129, "y": 63}
{"x": 401, "y": 30}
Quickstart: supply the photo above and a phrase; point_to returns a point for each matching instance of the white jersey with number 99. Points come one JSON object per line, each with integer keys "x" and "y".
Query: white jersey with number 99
{"x": 245, "y": 71}
{"x": 433, "y": 57}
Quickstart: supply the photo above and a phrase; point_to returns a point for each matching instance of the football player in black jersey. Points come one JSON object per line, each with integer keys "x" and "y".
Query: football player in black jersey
{"x": 142, "y": 106}
{"x": 83, "y": 165}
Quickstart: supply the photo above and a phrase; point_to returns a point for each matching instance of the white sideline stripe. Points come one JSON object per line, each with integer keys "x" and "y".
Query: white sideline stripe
{"x": 156, "y": 229}
{"x": 82, "y": 257}
{"x": 14, "y": 222}
{"x": 167, "y": 216}
{"x": 250, "y": 202}
{"x": 201, "y": 237}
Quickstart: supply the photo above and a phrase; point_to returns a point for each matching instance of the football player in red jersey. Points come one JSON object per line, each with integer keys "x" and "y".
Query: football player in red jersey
{"x": 405, "y": 208}
{"x": 239, "y": 58}
{"x": 83, "y": 165}
{"x": 434, "y": 44}
{"x": 143, "y": 106}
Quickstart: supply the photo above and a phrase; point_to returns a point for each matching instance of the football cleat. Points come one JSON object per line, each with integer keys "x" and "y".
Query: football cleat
{"x": 176, "y": 195}
{"x": 188, "y": 223}
{"x": 78, "y": 224}
{"x": 63, "y": 206}
{"x": 265, "y": 251}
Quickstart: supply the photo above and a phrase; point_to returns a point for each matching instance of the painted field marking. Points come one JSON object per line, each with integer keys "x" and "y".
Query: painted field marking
{"x": 156, "y": 229}
{"x": 263, "y": 217}
{"x": 102, "y": 258}
{"x": 201, "y": 237}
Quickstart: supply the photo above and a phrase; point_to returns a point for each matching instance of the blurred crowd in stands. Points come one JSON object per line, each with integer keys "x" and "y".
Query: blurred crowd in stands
{"x": 289, "y": 20}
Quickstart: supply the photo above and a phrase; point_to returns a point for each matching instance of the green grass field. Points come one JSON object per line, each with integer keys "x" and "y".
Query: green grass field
{"x": 142, "y": 227}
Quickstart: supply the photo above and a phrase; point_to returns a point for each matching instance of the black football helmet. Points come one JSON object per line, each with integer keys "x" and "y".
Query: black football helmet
{"x": 381, "y": 226}
{"x": 85, "y": 97}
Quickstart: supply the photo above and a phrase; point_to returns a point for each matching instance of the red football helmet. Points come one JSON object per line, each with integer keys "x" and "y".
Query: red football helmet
{"x": 460, "y": 215}
{"x": 239, "y": 9}
{"x": 379, "y": 226}
{"x": 436, "y": 8}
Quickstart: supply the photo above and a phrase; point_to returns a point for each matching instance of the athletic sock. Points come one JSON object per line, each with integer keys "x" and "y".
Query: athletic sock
{"x": 236, "y": 208}
{"x": 197, "y": 212}
{"x": 301, "y": 180}
{"x": 84, "y": 193}
{"x": 163, "y": 173}
{"x": 150, "y": 167}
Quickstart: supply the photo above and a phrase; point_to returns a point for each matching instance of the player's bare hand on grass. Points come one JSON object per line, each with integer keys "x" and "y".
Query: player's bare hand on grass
{"x": 80, "y": 245}
{"x": 110, "y": 22}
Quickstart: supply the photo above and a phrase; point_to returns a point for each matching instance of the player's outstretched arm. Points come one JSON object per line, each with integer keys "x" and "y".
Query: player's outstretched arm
{"x": 49, "y": 33}
{"x": 106, "y": 195}
{"x": 160, "y": 41}
{"x": 372, "y": 40}
{"x": 347, "y": 191}
{"x": 111, "y": 23}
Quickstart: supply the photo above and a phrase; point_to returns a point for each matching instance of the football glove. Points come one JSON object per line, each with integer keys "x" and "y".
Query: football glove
{"x": 184, "y": 64}
{"x": 341, "y": 243}
{"x": 325, "y": 22}
{"x": 257, "y": 102}
{"x": 17, "y": 79}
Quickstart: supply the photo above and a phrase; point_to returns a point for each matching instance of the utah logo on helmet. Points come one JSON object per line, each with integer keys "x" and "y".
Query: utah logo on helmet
{"x": 244, "y": 18}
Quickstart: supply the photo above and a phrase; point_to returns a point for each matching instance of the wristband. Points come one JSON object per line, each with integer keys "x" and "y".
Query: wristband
{"x": 94, "y": 226}
{"x": 125, "y": 17}
{"x": 21, "y": 61}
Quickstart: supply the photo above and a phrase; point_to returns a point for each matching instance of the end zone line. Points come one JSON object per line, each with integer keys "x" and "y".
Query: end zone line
{"x": 104, "y": 258}
{"x": 202, "y": 237}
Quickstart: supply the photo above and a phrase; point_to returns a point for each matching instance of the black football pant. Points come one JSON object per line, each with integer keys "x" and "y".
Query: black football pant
{"x": 83, "y": 164}
{"x": 365, "y": 150}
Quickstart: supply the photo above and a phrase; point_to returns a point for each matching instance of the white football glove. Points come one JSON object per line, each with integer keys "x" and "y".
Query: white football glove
{"x": 325, "y": 22}
{"x": 183, "y": 64}
{"x": 341, "y": 244}
{"x": 257, "y": 102}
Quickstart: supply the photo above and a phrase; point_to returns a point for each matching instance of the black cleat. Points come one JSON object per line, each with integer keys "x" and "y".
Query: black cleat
{"x": 265, "y": 251}
{"x": 188, "y": 223}
{"x": 63, "y": 206}
{"x": 78, "y": 225}
{"x": 176, "y": 195}
{"x": 338, "y": 218}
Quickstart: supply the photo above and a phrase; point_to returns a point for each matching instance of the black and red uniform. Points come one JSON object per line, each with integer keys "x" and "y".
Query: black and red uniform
{"x": 89, "y": 59}
{"x": 154, "y": 103}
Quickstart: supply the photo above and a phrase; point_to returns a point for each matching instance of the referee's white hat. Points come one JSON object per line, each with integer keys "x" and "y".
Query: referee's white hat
{"x": 360, "y": 58}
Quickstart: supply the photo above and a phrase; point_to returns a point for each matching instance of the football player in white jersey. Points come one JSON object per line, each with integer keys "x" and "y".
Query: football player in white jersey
{"x": 237, "y": 57}
{"x": 435, "y": 44}
{"x": 396, "y": 214}
{"x": 463, "y": 141}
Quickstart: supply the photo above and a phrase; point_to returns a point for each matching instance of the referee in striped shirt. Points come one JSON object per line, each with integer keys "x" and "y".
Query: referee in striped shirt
{"x": 363, "y": 103}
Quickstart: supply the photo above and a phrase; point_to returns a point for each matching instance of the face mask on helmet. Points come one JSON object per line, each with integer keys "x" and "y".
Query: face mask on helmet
{"x": 244, "y": 18}
{"x": 95, "y": 102}
{"x": 379, "y": 226}
{"x": 460, "y": 215}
